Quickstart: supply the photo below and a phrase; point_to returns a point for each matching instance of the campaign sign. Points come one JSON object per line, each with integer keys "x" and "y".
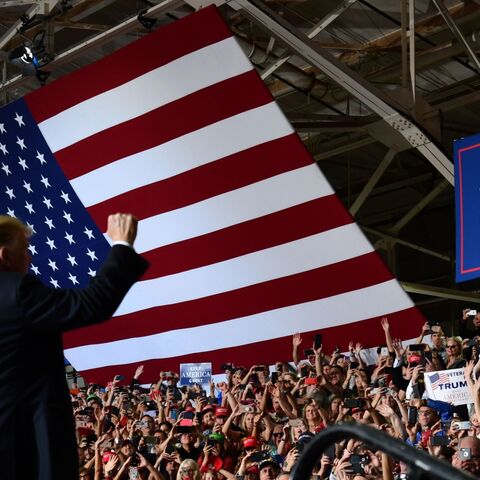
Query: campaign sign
{"x": 467, "y": 207}
{"x": 448, "y": 386}
{"x": 191, "y": 373}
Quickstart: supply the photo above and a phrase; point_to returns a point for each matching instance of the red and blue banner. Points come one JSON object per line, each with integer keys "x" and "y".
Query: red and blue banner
{"x": 467, "y": 207}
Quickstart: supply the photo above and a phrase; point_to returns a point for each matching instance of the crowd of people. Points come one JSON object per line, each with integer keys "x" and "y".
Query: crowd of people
{"x": 255, "y": 424}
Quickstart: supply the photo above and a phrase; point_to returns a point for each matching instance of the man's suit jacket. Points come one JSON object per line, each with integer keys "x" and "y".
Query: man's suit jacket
{"x": 37, "y": 432}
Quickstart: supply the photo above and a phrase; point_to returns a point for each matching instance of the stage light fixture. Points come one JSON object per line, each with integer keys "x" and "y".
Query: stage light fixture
{"x": 25, "y": 59}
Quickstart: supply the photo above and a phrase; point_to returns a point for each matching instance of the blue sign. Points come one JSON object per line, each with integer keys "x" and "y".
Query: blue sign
{"x": 191, "y": 373}
{"x": 467, "y": 207}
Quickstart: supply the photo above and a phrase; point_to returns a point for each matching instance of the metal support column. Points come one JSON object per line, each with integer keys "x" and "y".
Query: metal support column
{"x": 380, "y": 170}
{"x": 411, "y": 214}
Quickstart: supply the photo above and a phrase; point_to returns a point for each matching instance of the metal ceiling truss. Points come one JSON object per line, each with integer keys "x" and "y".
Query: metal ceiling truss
{"x": 374, "y": 99}
{"x": 324, "y": 23}
{"x": 38, "y": 8}
{"x": 455, "y": 30}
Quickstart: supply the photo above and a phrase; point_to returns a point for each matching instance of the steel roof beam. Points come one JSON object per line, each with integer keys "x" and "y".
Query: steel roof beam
{"x": 456, "y": 31}
{"x": 370, "y": 185}
{"x": 374, "y": 99}
{"x": 440, "y": 292}
{"x": 324, "y": 23}
{"x": 413, "y": 246}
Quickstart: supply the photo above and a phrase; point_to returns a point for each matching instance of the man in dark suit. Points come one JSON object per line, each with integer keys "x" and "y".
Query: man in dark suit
{"x": 37, "y": 431}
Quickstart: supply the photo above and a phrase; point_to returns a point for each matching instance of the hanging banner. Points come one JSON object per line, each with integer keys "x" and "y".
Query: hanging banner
{"x": 467, "y": 206}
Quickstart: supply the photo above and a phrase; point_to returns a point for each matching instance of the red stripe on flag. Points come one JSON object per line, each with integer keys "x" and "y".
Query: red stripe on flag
{"x": 295, "y": 289}
{"x": 257, "y": 163}
{"x": 202, "y": 29}
{"x": 247, "y": 237}
{"x": 368, "y": 332}
{"x": 163, "y": 124}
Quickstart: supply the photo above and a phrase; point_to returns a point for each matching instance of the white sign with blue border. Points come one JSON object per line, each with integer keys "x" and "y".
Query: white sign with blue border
{"x": 191, "y": 373}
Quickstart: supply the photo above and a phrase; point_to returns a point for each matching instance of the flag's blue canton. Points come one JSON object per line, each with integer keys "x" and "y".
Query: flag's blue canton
{"x": 66, "y": 246}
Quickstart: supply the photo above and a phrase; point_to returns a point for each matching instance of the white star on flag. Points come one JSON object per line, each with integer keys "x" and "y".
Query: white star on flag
{"x": 65, "y": 197}
{"x": 45, "y": 181}
{"x": 67, "y": 217}
{"x": 88, "y": 233}
{"x": 19, "y": 119}
{"x": 35, "y": 269}
{"x": 3, "y": 148}
{"x": 54, "y": 283}
{"x": 49, "y": 223}
{"x": 47, "y": 202}
{"x": 10, "y": 193}
{"x": 2, "y": 128}
{"x": 69, "y": 238}
{"x": 23, "y": 163}
{"x": 72, "y": 260}
{"x": 51, "y": 244}
{"x": 10, "y": 212}
{"x": 31, "y": 226}
{"x": 21, "y": 143}
{"x": 91, "y": 254}
{"x": 73, "y": 278}
{"x": 29, "y": 207}
{"x": 41, "y": 157}
{"x": 6, "y": 169}
{"x": 91, "y": 272}
{"x": 27, "y": 187}
{"x": 52, "y": 264}
{"x": 33, "y": 249}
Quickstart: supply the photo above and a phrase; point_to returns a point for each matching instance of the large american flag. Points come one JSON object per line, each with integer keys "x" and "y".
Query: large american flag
{"x": 247, "y": 241}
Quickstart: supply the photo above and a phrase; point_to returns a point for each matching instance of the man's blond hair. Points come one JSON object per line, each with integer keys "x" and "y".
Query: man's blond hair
{"x": 9, "y": 229}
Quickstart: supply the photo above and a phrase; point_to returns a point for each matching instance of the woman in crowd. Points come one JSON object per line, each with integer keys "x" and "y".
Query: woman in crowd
{"x": 455, "y": 358}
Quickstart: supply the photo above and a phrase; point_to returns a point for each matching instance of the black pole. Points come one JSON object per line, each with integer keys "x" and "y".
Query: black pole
{"x": 422, "y": 464}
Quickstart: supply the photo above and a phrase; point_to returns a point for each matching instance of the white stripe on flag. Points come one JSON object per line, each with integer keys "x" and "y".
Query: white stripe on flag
{"x": 229, "y": 136}
{"x": 290, "y": 258}
{"x": 253, "y": 201}
{"x": 381, "y": 299}
{"x": 165, "y": 84}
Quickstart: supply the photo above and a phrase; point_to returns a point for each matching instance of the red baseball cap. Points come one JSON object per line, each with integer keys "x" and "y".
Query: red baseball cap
{"x": 213, "y": 463}
{"x": 250, "y": 442}
{"x": 208, "y": 407}
{"x": 221, "y": 412}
